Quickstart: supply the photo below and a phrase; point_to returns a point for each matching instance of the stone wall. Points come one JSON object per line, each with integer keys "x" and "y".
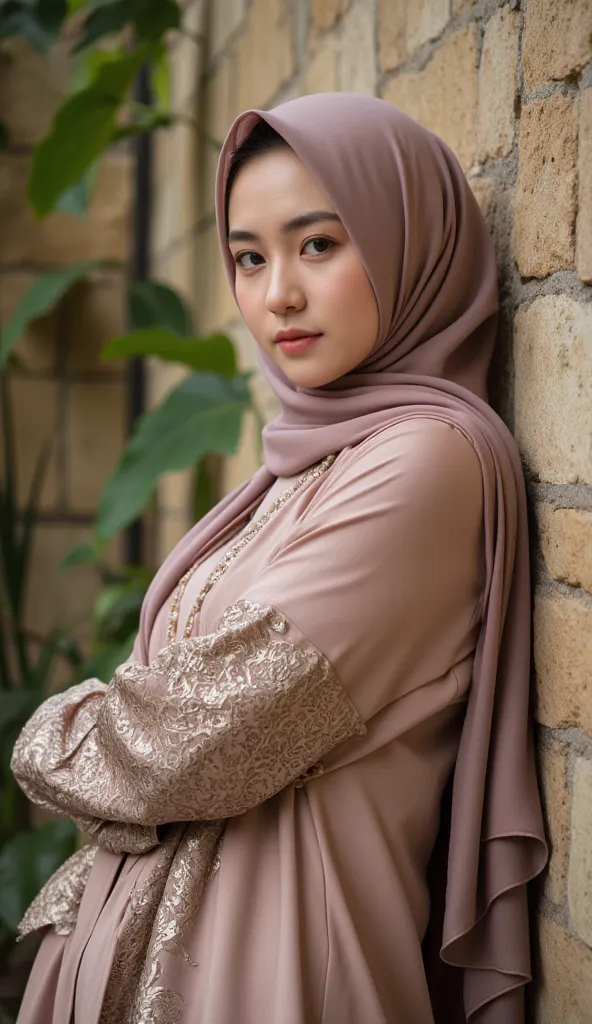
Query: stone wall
{"x": 509, "y": 87}
{"x": 61, "y": 392}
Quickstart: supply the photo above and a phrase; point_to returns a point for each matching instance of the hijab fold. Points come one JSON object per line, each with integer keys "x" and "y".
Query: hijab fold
{"x": 421, "y": 237}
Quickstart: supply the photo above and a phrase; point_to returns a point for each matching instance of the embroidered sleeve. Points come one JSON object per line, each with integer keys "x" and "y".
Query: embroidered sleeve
{"x": 215, "y": 725}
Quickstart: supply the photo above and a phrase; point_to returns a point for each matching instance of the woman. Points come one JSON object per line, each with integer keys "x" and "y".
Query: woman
{"x": 262, "y": 781}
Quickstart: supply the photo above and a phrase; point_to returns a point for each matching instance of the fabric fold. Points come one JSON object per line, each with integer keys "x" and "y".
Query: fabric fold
{"x": 215, "y": 725}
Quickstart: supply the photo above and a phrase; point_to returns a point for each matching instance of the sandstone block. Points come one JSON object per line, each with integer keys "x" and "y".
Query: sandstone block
{"x": 96, "y": 313}
{"x": 324, "y": 14}
{"x": 557, "y": 40}
{"x": 553, "y": 383}
{"x": 32, "y": 87}
{"x": 562, "y": 991}
{"x": 443, "y": 97}
{"x": 176, "y": 196}
{"x": 207, "y": 255}
{"x": 184, "y": 149}
{"x": 545, "y": 204}
{"x": 580, "y": 859}
{"x": 175, "y": 492}
{"x": 266, "y": 55}
{"x": 162, "y": 378}
{"x": 553, "y": 777}
{"x": 180, "y": 269}
{"x": 220, "y": 98}
{"x": 96, "y": 431}
{"x": 35, "y": 419}
{"x": 562, "y": 657}
{"x": 61, "y": 597}
{"x": 323, "y": 71}
{"x": 187, "y": 58}
{"x": 566, "y": 543}
{"x": 460, "y": 6}
{"x": 486, "y": 192}
{"x": 405, "y": 27}
{"x": 38, "y": 346}
{"x": 172, "y": 526}
{"x": 226, "y": 16}
{"x": 165, "y": 221}
{"x": 584, "y": 227}
{"x": 498, "y": 84}
{"x": 358, "y": 58}
{"x": 59, "y": 238}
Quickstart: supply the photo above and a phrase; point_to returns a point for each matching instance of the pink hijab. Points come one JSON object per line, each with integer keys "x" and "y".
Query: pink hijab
{"x": 407, "y": 207}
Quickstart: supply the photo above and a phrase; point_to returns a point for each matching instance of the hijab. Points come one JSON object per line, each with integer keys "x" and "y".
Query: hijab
{"x": 418, "y": 230}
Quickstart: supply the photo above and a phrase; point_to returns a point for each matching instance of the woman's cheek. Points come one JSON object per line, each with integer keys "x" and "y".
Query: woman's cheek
{"x": 248, "y": 304}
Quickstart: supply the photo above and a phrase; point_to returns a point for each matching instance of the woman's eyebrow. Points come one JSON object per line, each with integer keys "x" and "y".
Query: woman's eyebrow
{"x": 304, "y": 220}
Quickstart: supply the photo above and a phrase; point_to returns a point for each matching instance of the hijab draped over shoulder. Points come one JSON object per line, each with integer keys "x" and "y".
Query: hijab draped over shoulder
{"x": 420, "y": 235}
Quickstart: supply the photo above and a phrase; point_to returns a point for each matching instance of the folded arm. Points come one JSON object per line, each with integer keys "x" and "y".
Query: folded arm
{"x": 215, "y": 725}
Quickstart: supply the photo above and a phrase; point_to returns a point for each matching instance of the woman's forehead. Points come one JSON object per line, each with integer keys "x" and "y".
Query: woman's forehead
{"x": 278, "y": 187}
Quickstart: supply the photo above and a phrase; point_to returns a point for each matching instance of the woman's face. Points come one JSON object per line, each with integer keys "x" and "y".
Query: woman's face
{"x": 297, "y": 271}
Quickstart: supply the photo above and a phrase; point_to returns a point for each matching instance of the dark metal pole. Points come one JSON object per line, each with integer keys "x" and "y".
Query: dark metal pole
{"x": 140, "y": 271}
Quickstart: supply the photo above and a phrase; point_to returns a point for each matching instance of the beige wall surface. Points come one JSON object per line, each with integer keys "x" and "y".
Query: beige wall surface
{"x": 61, "y": 391}
{"x": 509, "y": 87}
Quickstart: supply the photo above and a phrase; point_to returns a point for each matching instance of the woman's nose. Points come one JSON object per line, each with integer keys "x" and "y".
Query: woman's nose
{"x": 284, "y": 291}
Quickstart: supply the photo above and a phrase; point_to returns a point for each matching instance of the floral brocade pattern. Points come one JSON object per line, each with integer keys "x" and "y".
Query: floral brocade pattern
{"x": 214, "y": 726}
{"x": 159, "y": 912}
{"x": 58, "y": 901}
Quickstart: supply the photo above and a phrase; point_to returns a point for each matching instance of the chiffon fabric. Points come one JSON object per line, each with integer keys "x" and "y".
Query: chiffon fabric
{"x": 392, "y": 591}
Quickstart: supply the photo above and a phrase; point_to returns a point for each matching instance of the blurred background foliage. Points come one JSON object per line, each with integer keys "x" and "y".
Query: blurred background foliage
{"x": 199, "y": 416}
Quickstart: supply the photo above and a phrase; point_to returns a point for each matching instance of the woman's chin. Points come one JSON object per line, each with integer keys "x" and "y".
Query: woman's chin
{"x": 307, "y": 375}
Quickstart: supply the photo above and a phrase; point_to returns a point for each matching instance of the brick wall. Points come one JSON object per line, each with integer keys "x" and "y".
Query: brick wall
{"x": 509, "y": 87}
{"x": 62, "y": 391}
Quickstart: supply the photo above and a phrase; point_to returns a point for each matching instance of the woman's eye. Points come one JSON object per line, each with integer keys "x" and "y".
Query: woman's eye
{"x": 247, "y": 259}
{"x": 319, "y": 246}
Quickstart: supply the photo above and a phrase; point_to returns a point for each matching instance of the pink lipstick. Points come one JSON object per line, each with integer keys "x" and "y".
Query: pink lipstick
{"x": 294, "y": 341}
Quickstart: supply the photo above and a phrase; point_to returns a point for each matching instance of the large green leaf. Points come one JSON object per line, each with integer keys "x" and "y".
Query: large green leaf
{"x": 104, "y": 20}
{"x": 38, "y": 300}
{"x": 77, "y": 199}
{"x": 83, "y": 126}
{"x": 202, "y": 414}
{"x": 27, "y": 860}
{"x": 37, "y": 21}
{"x": 103, "y": 663}
{"x": 16, "y": 706}
{"x": 153, "y": 18}
{"x": 84, "y": 553}
{"x": 154, "y": 304}
{"x": 143, "y": 118}
{"x": 117, "y": 607}
{"x": 160, "y": 81}
{"x": 58, "y": 642}
{"x": 214, "y": 354}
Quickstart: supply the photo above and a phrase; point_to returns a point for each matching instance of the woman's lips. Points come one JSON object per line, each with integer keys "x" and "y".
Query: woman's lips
{"x": 295, "y": 345}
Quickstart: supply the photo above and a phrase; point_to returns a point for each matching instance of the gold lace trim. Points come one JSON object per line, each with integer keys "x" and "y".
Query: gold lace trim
{"x": 218, "y": 572}
{"x": 159, "y": 912}
{"x": 214, "y": 726}
{"x": 58, "y": 902}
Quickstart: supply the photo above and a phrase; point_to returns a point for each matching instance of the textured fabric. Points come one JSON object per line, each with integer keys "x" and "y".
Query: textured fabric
{"x": 420, "y": 235}
{"x": 318, "y": 907}
{"x": 212, "y": 727}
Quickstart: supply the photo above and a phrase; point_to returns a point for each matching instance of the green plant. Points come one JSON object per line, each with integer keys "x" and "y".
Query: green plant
{"x": 27, "y": 662}
{"x": 201, "y": 415}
